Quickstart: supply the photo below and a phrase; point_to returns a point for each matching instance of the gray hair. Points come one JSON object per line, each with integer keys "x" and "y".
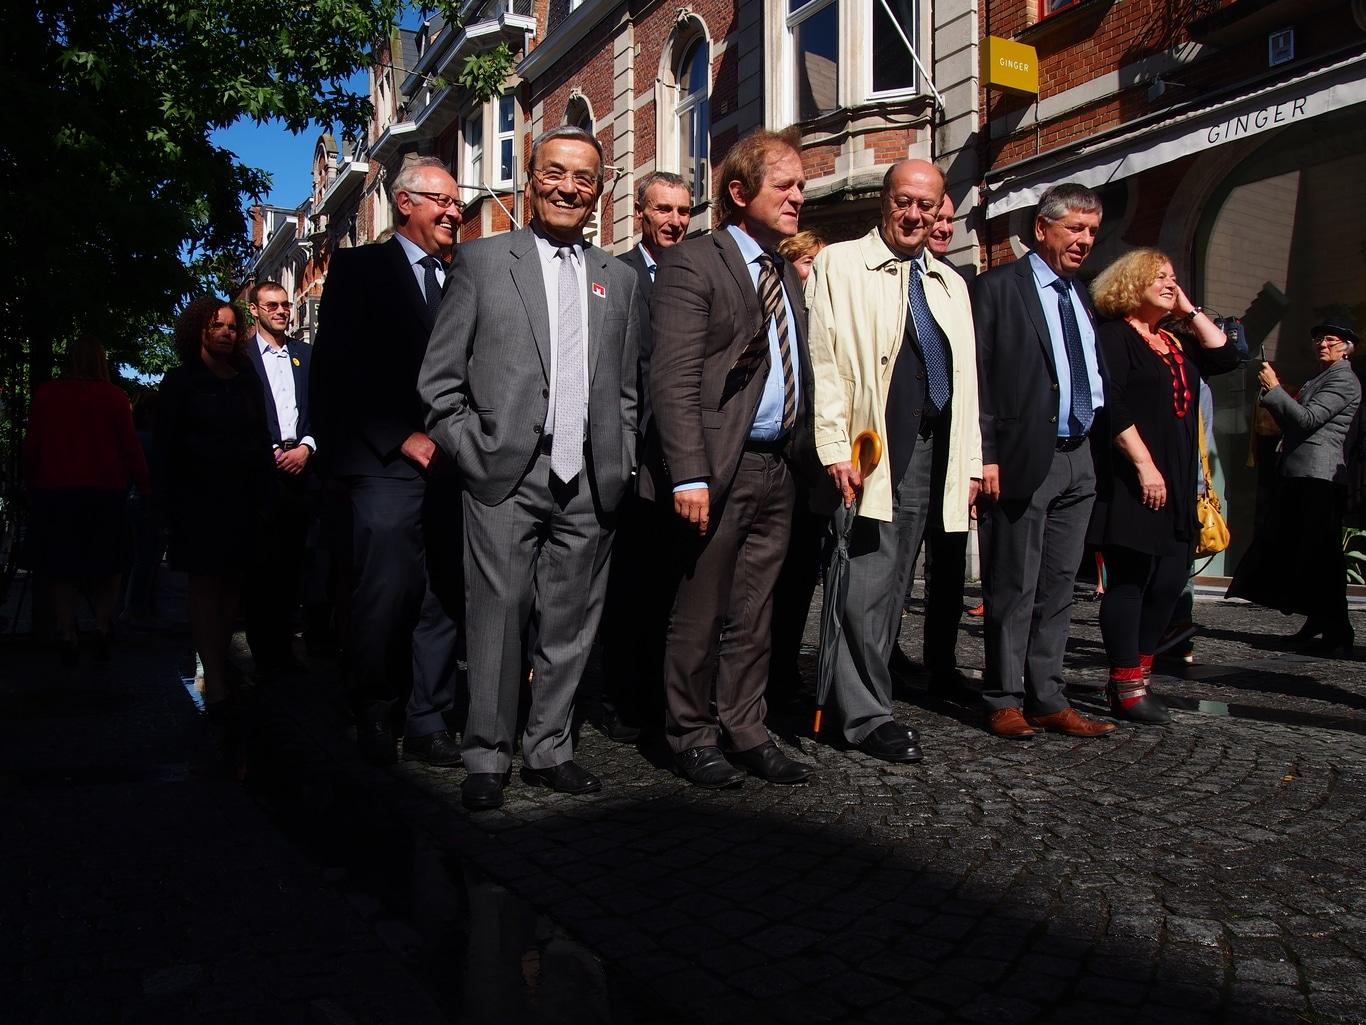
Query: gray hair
{"x": 407, "y": 178}
{"x": 573, "y": 132}
{"x": 1060, "y": 200}
{"x": 674, "y": 181}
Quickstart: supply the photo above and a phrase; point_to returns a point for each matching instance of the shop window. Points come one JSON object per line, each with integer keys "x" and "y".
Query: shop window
{"x": 813, "y": 32}
{"x": 692, "y": 117}
{"x": 504, "y": 139}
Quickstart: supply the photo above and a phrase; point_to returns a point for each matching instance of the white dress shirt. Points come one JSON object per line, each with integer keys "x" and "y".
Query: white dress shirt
{"x": 415, "y": 257}
{"x": 279, "y": 367}
{"x": 550, "y": 279}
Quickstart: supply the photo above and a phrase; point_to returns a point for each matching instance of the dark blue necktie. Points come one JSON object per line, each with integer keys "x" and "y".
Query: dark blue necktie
{"x": 431, "y": 287}
{"x": 932, "y": 345}
{"x": 1082, "y": 411}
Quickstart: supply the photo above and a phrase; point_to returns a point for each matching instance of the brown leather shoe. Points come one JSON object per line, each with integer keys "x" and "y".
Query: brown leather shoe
{"x": 1072, "y": 723}
{"x": 1009, "y": 724}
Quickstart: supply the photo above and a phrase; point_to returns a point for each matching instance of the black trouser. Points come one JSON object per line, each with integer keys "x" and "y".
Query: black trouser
{"x": 792, "y": 597}
{"x": 270, "y": 593}
{"x": 1140, "y": 592}
{"x": 635, "y": 615}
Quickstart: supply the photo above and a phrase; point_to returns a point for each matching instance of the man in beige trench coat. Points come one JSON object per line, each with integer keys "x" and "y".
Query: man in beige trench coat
{"x": 892, "y": 351}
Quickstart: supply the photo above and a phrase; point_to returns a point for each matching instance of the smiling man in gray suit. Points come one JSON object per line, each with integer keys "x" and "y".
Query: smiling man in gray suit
{"x": 530, "y": 387}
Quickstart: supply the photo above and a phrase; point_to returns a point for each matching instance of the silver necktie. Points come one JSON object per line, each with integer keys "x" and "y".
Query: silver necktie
{"x": 566, "y": 446}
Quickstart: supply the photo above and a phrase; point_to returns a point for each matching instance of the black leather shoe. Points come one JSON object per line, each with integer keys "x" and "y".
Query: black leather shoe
{"x": 375, "y": 742}
{"x": 768, "y": 763}
{"x": 901, "y": 666}
{"x": 892, "y": 742}
{"x": 482, "y": 791}
{"x": 707, "y": 767}
{"x": 616, "y": 730}
{"x": 438, "y": 749}
{"x": 566, "y": 778}
{"x": 951, "y": 685}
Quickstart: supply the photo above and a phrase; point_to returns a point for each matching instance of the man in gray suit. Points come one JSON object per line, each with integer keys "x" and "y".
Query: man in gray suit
{"x": 530, "y": 387}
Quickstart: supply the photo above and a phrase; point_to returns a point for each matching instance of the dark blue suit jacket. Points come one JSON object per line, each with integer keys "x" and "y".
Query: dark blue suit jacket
{"x": 300, "y": 354}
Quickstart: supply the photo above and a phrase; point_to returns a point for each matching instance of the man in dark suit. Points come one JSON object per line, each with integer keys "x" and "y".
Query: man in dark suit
{"x": 730, "y": 384}
{"x": 530, "y": 388}
{"x": 271, "y": 589}
{"x": 1041, "y": 382}
{"x": 633, "y": 620}
{"x": 378, "y": 308}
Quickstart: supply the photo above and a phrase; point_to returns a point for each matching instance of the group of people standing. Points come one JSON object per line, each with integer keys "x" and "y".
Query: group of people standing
{"x": 535, "y": 439}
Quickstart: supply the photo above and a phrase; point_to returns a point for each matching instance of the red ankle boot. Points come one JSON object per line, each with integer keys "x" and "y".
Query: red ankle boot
{"x": 1130, "y": 698}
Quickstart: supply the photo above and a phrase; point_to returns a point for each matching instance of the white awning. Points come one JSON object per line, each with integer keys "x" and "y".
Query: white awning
{"x": 1275, "y": 106}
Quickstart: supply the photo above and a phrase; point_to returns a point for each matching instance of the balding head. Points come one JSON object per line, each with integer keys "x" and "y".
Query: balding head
{"x": 912, "y": 191}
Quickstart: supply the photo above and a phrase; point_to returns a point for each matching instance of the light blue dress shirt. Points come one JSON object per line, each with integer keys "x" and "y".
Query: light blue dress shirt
{"x": 650, "y": 264}
{"x": 768, "y": 421}
{"x": 1044, "y": 277}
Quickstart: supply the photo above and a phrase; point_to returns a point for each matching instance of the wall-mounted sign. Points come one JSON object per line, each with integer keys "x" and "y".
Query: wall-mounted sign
{"x": 1010, "y": 66}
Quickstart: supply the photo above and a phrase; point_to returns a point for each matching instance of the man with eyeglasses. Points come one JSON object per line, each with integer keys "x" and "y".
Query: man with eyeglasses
{"x": 530, "y": 389}
{"x": 378, "y": 307}
{"x": 271, "y": 589}
{"x": 892, "y": 349}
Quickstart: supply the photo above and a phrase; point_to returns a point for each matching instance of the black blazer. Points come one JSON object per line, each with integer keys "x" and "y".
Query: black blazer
{"x": 705, "y": 311}
{"x": 373, "y": 325}
{"x": 1017, "y": 380}
{"x": 636, "y": 262}
{"x": 300, "y": 358}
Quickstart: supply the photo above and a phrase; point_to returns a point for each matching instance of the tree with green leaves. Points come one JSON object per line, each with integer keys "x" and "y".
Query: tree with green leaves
{"x": 117, "y": 204}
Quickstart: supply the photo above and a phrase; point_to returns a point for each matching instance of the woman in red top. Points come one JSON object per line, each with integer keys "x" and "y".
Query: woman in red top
{"x": 80, "y": 455}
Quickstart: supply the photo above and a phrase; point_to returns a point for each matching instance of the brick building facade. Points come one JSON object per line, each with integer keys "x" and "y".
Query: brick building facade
{"x": 1230, "y": 133}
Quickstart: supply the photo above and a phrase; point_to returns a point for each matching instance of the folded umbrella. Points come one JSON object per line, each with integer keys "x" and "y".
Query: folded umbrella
{"x": 866, "y": 454}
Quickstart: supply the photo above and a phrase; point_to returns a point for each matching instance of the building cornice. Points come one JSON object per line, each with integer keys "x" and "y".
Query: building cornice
{"x": 277, "y": 245}
{"x": 389, "y": 141}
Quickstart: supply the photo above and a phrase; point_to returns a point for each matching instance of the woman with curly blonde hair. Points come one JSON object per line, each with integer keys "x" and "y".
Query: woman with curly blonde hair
{"x": 1144, "y": 444}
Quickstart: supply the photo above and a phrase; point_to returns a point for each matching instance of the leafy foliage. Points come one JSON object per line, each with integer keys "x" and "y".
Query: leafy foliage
{"x": 118, "y": 206}
{"x": 484, "y": 74}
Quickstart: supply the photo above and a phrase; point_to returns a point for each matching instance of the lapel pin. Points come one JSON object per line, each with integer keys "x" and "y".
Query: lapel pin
{"x": 599, "y": 290}
{"x": 295, "y": 361}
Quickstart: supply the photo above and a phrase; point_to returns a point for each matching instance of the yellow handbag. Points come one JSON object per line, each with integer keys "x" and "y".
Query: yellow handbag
{"x": 1214, "y": 536}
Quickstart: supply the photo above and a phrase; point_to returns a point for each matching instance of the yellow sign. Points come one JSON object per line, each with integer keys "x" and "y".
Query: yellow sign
{"x": 1009, "y": 66}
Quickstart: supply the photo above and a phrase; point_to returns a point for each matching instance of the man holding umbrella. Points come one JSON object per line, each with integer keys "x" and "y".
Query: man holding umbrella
{"x": 892, "y": 352}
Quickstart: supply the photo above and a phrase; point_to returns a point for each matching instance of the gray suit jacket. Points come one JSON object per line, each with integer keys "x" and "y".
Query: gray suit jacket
{"x": 1316, "y": 425}
{"x": 486, "y": 376}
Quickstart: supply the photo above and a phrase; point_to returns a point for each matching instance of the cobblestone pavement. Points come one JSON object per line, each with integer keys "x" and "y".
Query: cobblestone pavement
{"x": 1205, "y": 872}
{"x": 136, "y": 889}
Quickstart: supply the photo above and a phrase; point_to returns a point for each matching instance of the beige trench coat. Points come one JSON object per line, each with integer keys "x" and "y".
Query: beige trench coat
{"x": 858, "y": 307}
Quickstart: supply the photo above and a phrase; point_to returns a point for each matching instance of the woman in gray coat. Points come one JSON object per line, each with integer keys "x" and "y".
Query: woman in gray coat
{"x": 1301, "y": 569}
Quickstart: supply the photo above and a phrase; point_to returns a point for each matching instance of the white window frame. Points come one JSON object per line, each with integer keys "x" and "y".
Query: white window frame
{"x": 699, "y": 105}
{"x": 500, "y": 137}
{"x": 791, "y": 22}
{"x": 913, "y": 32}
{"x": 473, "y": 163}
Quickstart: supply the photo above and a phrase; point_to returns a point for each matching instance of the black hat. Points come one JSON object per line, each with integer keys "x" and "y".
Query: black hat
{"x": 1340, "y": 324}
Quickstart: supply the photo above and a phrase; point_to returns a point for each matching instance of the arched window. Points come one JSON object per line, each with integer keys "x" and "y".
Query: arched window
{"x": 692, "y": 115}
{"x": 579, "y": 114}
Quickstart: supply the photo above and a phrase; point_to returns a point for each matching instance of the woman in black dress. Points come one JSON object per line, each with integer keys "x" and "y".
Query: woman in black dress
{"x": 1144, "y": 445}
{"x": 214, "y": 471}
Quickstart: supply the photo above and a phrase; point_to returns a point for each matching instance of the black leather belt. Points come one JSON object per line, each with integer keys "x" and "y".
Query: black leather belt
{"x": 766, "y": 447}
{"x": 1071, "y": 444}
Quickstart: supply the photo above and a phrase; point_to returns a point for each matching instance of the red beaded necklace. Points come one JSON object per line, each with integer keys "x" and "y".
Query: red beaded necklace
{"x": 1175, "y": 363}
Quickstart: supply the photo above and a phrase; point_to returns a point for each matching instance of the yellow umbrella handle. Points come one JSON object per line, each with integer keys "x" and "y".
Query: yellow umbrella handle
{"x": 867, "y": 452}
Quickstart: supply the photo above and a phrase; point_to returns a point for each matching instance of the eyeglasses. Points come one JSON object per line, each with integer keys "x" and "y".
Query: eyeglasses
{"x": 904, "y": 203}
{"x": 583, "y": 181}
{"x": 441, "y": 199}
{"x": 272, "y": 307}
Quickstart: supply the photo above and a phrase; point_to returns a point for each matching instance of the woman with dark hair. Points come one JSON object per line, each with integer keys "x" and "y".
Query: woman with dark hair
{"x": 1144, "y": 445}
{"x": 214, "y": 471}
{"x": 80, "y": 455}
{"x": 1299, "y": 566}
